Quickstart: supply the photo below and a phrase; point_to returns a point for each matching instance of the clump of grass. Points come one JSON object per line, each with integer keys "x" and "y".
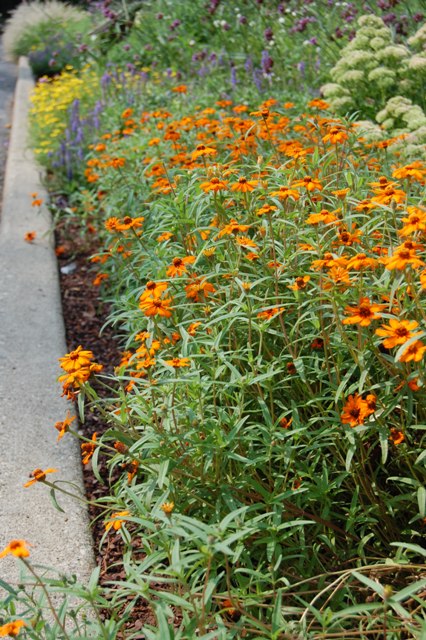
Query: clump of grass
{"x": 48, "y": 32}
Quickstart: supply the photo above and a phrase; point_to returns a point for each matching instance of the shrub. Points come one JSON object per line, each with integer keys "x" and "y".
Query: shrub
{"x": 268, "y": 414}
{"x": 373, "y": 68}
{"x": 51, "y": 34}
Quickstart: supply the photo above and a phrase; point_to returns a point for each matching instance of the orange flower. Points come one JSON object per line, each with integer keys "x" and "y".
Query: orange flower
{"x": 178, "y": 362}
{"x": 388, "y": 195}
{"x": 75, "y": 360}
{"x": 181, "y": 88}
{"x": 327, "y": 217}
{"x": 371, "y": 401}
{"x": 361, "y": 261}
{"x": 99, "y": 279}
{"x": 397, "y": 332}
{"x": 310, "y": 184}
{"x": 120, "y": 447}
{"x": 355, "y": 411}
{"x": 247, "y": 243}
{"x": 198, "y": 286}
{"x": 267, "y": 209}
{"x": 317, "y": 103}
{"x": 338, "y": 276}
{"x": 178, "y": 266}
{"x": 112, "y": 224}
{"x": 60, "y": 250}
{"x": 72, "y": 381}
{"x": 415, "y": 170}
{"x": 416, "y": 221}
{"x": 132, "y": 469}
{"x": 88, "y": 449}
{"x": 17, "y": 548}
{"x": 63, "y": 427}
{"x": 130, "y": 223}
{"x": 243, "y": 185}
{"x": 317, "y": 344}
{"x": 382, "y": 183}
{"x": 270, "y": 313}
{"x": 341, "y": 193}
{"x": 396, "y": 436}
{"x": 232, "y": 229}
{"x": 153, "y": 290}
{"x": 300, "y": 283}
{"x": 286, "y": 192}
{"x": 215, "y": 184}
{"x": 366, "y": 206}
{"x": 327, "y": 262}
{"x": 285, "y": 423}
{"x": 166, "y": 235}
{"x": 30, "y": 236}
{"x": 336, "y": 135}
{"x": 414, "y": 352}
{"x": 167, "y": 507}
{"x": 202, "y": 151}
{"x": 291, "y": 368}
{"x": 12, "y": 629}
{"x": 364, "y": 313}
{"x": 349, "y": 238}
{"x": 401, "y": 258}
{"x": 192, "y": 329}
{"x": 117, "y": 520}
{"x": 38, "y": 475}
{"x": 156, "y": 307}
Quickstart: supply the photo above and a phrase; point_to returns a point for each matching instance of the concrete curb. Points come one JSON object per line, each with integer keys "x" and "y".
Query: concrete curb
{"x": 32, "y": 338}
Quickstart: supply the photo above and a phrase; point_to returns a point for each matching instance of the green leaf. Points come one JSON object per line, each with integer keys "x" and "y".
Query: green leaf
{"x": 408, "y": 591}
{"x": 375, "y": 586}
{"x": 421, "y": 499}
{"x": 277, "y": 619}
{"x": 409, "y": 546}
{"x": 55, "y": 501}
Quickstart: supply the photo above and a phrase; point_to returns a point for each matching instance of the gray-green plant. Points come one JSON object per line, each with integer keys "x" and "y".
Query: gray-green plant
{"x": 374, "y": 68}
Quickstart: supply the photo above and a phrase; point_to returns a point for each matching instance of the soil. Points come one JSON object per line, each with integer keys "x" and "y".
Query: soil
{"x": 84, "y": 317}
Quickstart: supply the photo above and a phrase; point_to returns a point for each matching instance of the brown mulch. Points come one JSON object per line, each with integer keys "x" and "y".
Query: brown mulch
{"x": 84, "y": 318}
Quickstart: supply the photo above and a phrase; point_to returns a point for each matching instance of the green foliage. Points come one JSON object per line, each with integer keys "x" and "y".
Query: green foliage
{"x": 383, "y": 80}
{"x": 264, "y": 430}
{"x": 51, "y": 34}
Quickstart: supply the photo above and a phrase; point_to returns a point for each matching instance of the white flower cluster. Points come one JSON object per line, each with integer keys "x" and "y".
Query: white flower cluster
{"x": 371, "y": 66}
{"x": 403, "y": 118}
{"x": 370, "y": 77}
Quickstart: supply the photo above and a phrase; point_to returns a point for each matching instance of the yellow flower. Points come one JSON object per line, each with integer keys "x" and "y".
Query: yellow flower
{"x": 117, "y": 520}
{"x": 167, "y": 507}
{"x": 11, "y": 629}
{"x": 17, "y": 548}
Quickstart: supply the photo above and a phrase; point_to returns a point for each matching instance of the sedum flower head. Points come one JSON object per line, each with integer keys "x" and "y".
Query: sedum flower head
{"x": 418, "y": 40}
{"x": 370, "y": 131}
{"x": 417, "y": 63}
{"x": 377, "y": 43}
{"x": 371, "y": 21}
{"x": 382, "y": 76}
{"x": 393, "y": 54}
{"x": 353, "y": 76}
{"x": 332, "y": 89}
{"x": 342, "y": 104}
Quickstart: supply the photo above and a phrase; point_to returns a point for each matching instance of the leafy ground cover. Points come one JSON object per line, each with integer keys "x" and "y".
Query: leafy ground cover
{"x": 263, "y": 260}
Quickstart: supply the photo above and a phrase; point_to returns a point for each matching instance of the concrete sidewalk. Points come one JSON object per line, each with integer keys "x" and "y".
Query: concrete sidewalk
{"x": 7, "y": 87}
{"x": 32, "y": 339}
